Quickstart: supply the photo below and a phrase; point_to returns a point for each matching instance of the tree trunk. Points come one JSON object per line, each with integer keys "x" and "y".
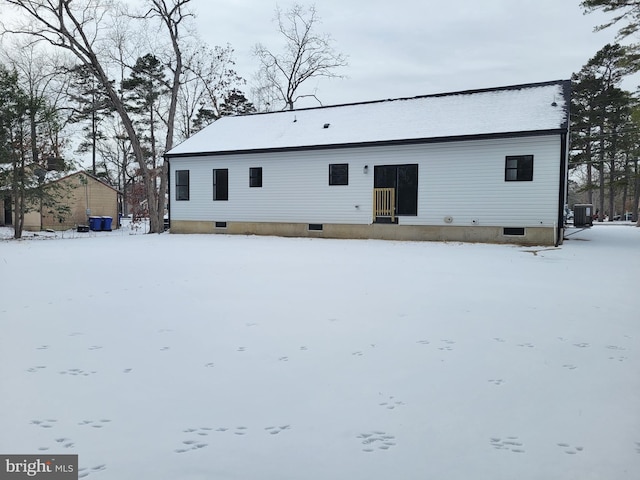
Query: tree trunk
{"x": 172, "y": 26}
{"x": 589, "y": 182}
{"x": 636, "y": 194}
{"x": 19, "y": 195}
{"x": 625, "y": 188}
{"x": 602, "y": 194}
{"x": 164, "y": 171}
{"x": 612, "y": 190}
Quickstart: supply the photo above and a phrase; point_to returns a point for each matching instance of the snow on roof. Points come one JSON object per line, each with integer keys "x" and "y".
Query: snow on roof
{"x": 524, "y": 108}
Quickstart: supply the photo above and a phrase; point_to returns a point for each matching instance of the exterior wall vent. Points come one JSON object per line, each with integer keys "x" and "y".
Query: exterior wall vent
{"x": 513, "y": 231}
{"x": 315, "y": 227}
{"x": 221, "y": 224}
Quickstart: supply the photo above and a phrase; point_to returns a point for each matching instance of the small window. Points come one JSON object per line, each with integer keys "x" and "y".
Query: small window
{"x": 255, "y": 177}
{"x": 518, "y": 168}
{"x": 182, "y": 184}
{"x": 511, "y": 231}
{"x": 221, "y": 184}
{"x": 339, "y": 174}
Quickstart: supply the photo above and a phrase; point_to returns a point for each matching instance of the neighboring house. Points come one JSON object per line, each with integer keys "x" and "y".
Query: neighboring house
{"x": 483, "y": 166}
{"x": 83, "y": 194}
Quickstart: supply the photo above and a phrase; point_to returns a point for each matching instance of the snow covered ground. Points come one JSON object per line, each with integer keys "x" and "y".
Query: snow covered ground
{"x": 227, "y": 357}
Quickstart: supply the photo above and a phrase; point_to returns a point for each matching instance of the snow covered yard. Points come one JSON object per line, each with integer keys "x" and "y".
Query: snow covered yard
{"x": 226, "y": 357}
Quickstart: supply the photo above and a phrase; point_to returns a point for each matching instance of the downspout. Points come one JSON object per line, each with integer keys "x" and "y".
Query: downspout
{"x": 564, "y": 166}
{"x": 562, "y": 190}
{"x": 166, "y": 159}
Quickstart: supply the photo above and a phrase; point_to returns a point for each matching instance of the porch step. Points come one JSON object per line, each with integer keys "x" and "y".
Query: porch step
{"x": 387, "y": 220}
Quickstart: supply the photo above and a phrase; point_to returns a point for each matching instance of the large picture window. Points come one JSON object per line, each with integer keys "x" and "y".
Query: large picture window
{"x": 339, "y": 174}
{"x": 221, "y": 184}
{"x": 255, "y": 176}
{"x": 182, "y": 184}
{"x": 518, "y": 168}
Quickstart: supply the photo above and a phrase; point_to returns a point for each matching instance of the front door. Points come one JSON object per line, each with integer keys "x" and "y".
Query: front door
{"x": 402, "y": 178}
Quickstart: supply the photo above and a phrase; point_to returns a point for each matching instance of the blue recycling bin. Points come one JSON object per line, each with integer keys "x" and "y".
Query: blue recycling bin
{"x": 95, "y": 223}
{"x": 106, "y": 223}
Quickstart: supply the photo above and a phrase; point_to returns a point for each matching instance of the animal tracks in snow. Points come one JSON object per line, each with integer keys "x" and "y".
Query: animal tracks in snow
{"x": 619, "y": 358}
{"x": 376, "y": 440}
{"x": 273, "y": 430}
{"x": 60, "y": 443}
{"x": 568, "y": 449}
{"x": 44, "y": 423}
{"x": 516, "y": 445}
{"x": 94, "y": 423}
{"x": 513, "y": 444}
{"x": 447, "y": 345}
{"x": 86, "y": 471}
{"x": 36, "y": 368}
{"x": 497, "y": 381}
{"x": 77, "y": 372}
{"x": 391, "y": 403}
{"x": 195, "y": 440}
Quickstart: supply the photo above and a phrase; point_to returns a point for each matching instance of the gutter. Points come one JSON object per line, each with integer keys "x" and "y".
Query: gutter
{"x": 377, "y": 143}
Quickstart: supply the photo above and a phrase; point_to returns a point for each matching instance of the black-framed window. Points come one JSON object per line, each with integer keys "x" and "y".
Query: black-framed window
{"x": 221, "y": 184}
{"x": 518, "y": 168}
{"x": 182, "y": 184}
{"x": 339, "y": 174}
{"x": 255, "y": 176}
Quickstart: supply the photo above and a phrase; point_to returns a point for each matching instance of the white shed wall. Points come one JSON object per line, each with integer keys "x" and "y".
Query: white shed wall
{"x": 463, "y": 180}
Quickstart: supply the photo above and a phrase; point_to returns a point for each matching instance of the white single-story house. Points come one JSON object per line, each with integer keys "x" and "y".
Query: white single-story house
{"x": 485, "y": 165}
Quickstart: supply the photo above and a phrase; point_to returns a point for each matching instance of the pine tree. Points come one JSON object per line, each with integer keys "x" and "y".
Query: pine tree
{"x": 92, "y": 105}
{"x": 142, "y": 92}
{"x": 602, "y": 125}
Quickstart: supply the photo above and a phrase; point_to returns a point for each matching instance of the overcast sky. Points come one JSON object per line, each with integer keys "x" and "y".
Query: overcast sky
{"x": 401, "y": 48}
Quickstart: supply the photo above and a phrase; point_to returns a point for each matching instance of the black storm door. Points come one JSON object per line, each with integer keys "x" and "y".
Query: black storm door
{"x": 404, "y": 179}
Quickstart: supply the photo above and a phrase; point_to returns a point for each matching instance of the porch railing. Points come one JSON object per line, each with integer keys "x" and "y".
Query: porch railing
{"x": 384, "y": 203}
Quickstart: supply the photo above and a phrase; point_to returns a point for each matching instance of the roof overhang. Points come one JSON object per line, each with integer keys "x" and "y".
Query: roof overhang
{"x": 384, "y": 143}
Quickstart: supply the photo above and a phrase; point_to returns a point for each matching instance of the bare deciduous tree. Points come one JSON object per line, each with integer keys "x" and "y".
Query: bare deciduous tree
{"x": 209, "y": 78}
{"x": 79, "y": 28}
{"x": 76, "y": 27}
{"x": 306, "y": 55}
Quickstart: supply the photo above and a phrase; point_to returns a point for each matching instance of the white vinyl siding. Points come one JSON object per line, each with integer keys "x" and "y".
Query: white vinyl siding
{"x": 464, "y": 180}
